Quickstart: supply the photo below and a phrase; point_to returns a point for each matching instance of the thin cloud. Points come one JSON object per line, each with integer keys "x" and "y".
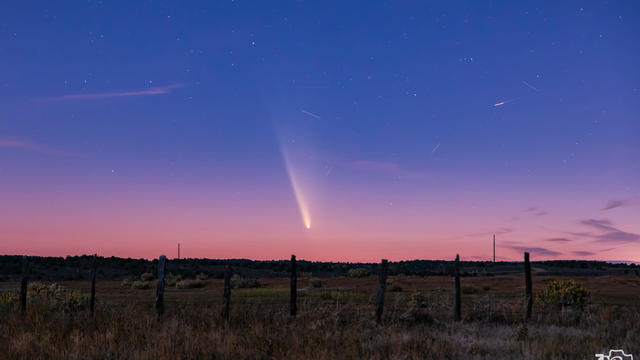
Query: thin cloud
{"x": 534, "y": 210}
{"x": 608, "y": 233}
{"x": 604, "y": 224}
{"x": 389, "y": 168}
{"x": 535, "y": 250}
{"x": 558, "y": 239}
{"x": 105, "y": 95}
{"x": 9, "y": 143}
{"x": 500, "y": 231}
{"x": 616, "y": 203}
{"x": 583, "y": 253}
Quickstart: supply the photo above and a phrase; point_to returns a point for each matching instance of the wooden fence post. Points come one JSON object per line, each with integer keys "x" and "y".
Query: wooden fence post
{"x": 382, "y": 287}
{"x": 456, "y": 291}
{"x": 92, "y": 300}
{"x": 23, "y": 285}
{"x": 160, "y": 289}
{"x": 294, "y": 286}
{"x": 226, "y": 296}
{"x": 528, "y": 286}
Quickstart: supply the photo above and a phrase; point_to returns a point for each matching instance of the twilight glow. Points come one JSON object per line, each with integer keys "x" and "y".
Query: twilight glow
{"x": 398, "y": 130}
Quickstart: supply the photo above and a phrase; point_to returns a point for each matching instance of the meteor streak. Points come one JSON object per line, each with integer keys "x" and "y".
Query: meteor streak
{"x": 311, "y": 114}
{"x": 502, "y": 103}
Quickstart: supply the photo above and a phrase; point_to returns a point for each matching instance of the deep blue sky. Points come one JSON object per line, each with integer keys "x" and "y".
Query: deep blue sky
{"x": 377, "y": 103}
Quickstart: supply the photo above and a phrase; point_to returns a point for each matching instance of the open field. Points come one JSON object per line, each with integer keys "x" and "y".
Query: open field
{"x": 334, "y": 321}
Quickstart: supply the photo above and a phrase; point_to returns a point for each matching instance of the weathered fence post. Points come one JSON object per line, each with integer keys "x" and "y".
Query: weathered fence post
{"x": 294, "y": 286}
{"x": 456, "y": 291}
{"x": 23, "y": 285}
{"x": 528, "y": 285}
{"x": 160, "y": 289}
{"x": 226, "y": 295}
{"x": 92, "y": 300}
{"x": 382, "y": 287}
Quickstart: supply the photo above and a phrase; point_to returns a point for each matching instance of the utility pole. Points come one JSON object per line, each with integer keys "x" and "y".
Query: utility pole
{"x": 179, "y": 251}
{"x": 494, "y": 248}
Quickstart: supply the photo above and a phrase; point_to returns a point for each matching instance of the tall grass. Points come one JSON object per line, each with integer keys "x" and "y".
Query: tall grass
{"x": 492, "y": 328}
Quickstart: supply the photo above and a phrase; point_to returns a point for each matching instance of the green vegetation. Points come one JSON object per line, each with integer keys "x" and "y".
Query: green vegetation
{"x": 358, "y": 273}
{"x": 140, "y": 285}
{"x": 190, "y": 284}
{"x": 146, "y": 276}
{"x": 333, "y": 322}
{"x": 239, "y": 282}
{"x": 564, "y": 293}
{"x": 113, "y": 268}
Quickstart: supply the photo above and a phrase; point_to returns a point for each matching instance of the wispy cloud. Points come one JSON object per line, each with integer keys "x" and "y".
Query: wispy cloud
{"x": 389, "y": 168}
{"x": 105, "y": 95}
{"x": 535, "y": 250}
{"x": 608, "y": 232}
{"x": 558, "y": 239}
{"x": 583, "y": 253}
{"x": 616, "y": 203}
{"x": 499, "y": 231}
{"x": 26, "y": 145}
{"x": 533, "y": 210}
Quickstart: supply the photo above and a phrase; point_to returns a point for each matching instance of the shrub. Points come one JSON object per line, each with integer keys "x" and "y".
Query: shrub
{"x": 419, "y": 299}
{"x": 358, "y": 273}
{"x": 126, "y": 282}
{"x": 171, "y": 280}
{"x": 238, "y": 282}
{"x": 316, "y": 283}
{"x": 146, "y": 276}
{"x": 202, "y": 276}
{"x": 190, "y": 284}
{"x": 48, "y": 297}
{"x": 140, "y": 285}
{"x": 563, "y": 293}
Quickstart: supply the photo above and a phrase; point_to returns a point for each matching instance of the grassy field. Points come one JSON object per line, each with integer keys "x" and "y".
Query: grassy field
{"x": 335, "y": 321}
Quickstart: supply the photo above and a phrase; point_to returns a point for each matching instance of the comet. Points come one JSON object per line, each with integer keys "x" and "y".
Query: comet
{"x": 297, "y": 191}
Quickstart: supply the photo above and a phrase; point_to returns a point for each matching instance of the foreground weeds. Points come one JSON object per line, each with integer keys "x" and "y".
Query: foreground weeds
{"x": 416, "y": 326}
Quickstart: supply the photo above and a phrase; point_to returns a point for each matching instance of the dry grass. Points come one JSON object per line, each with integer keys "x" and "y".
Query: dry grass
{"x": 334, "y": 322}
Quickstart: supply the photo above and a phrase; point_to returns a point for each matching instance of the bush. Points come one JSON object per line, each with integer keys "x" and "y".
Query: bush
{"x": 419, "y": 299}
{"x": 146, "y": 276}
{"x": 126, "y": 282}
{"x": 316, "y": 283}
{"x": 190, "y": 284}
{"x": 358, "y": 273}
{"x": 238, "y": 282}
{"x": 563, "y": 293}
{"x": 202, "y": 276}
{"x": 47, "y": 297}
{"x": 140, "y": 285}
{"x": 171, "y": 280}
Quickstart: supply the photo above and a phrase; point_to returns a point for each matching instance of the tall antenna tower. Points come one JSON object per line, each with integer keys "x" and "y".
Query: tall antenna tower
{"x": 179, "y": 251}
{"x": 494, "y": 248}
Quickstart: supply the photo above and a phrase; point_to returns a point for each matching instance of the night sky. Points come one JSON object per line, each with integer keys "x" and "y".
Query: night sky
{"x": 335, "y": 130}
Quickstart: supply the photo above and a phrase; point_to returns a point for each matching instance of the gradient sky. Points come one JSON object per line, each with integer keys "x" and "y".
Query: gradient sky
{"x": 395, "y": 129}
